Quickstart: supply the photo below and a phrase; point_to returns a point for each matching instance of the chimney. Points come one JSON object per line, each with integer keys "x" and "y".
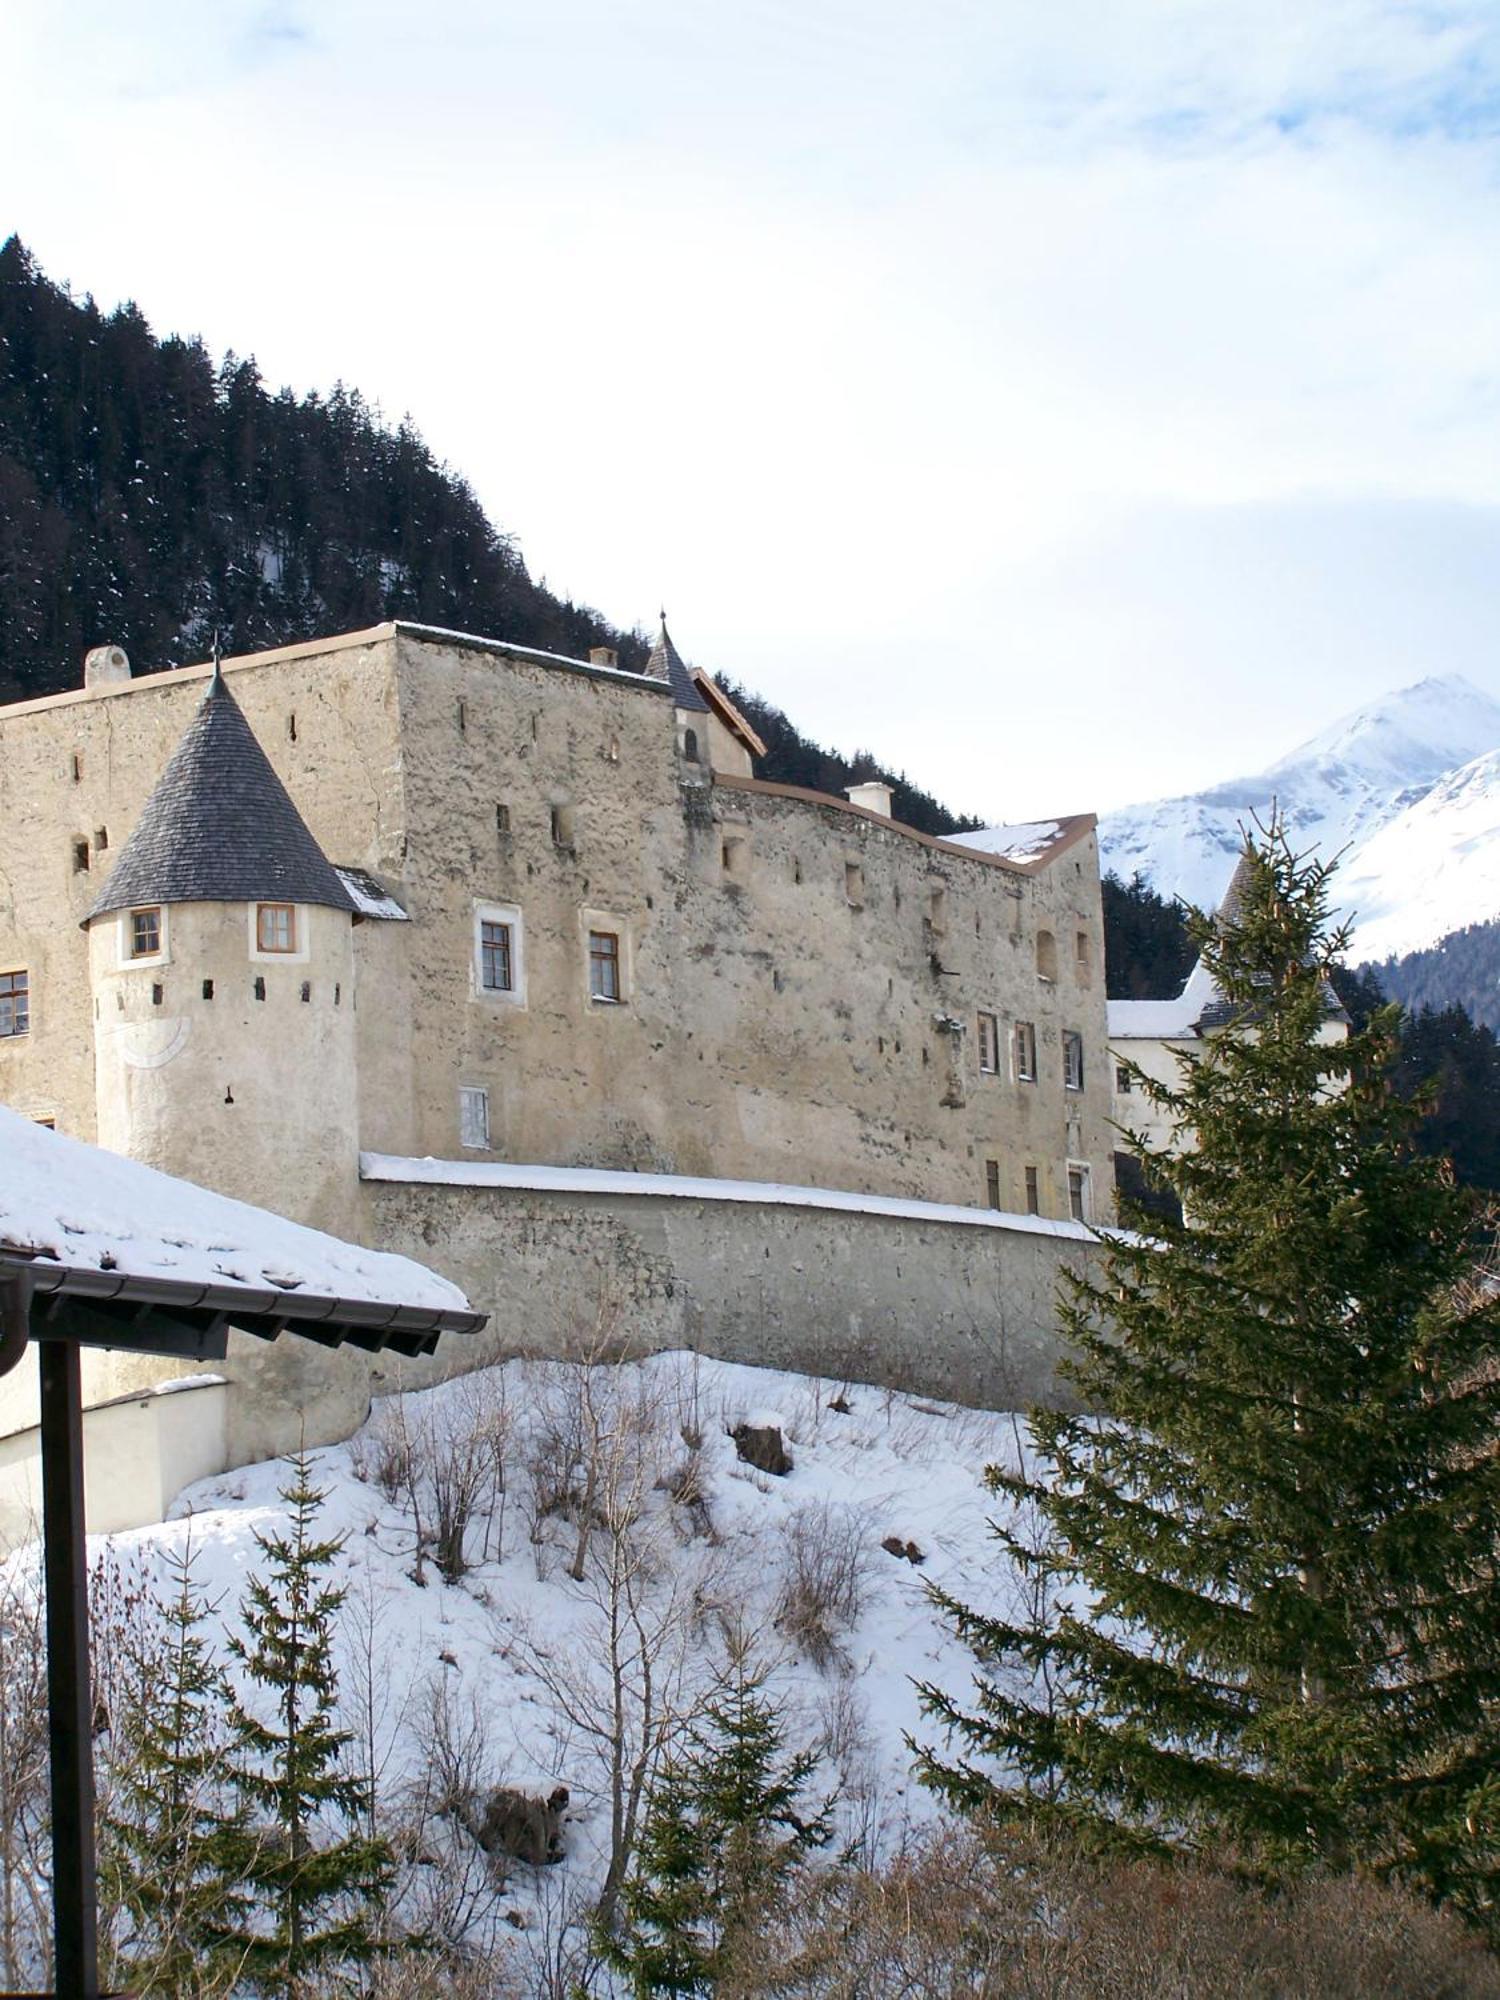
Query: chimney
{"x": 874, "y": 796}
{"x": 103, "y": 665}
{"x": 603, "y": 656}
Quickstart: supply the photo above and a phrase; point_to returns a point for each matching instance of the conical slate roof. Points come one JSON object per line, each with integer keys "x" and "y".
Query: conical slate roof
{"x": 220, "y": 827}
{"x": 666, "y": 664}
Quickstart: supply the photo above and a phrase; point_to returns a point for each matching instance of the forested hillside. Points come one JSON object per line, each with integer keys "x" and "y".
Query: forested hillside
{"x": 1462, "y": 969}
{"x": 148, "y": 496}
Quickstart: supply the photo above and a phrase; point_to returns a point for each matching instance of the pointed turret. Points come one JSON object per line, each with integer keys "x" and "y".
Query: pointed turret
{"x": 667, "y": 664}
{"x": 220, "y": 827}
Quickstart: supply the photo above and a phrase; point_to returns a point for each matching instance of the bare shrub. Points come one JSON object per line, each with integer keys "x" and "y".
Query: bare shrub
{"x": 25, "y": 1839}
{"x": 1015, "y": 1920}
{"x": 823, "y": 1585}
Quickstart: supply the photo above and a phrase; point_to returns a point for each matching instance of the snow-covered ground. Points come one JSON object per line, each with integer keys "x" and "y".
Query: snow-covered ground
{"x": 513, "y": 1655}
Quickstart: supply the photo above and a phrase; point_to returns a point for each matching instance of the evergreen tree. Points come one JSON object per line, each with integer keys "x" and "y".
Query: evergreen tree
{"x": 1278, "y": 1532}
{"x": 1148, "y": 952}
{"x": 319, "y": 1894}
{"x": 721, "y": 1839}
{"x": 167, "y": 1840}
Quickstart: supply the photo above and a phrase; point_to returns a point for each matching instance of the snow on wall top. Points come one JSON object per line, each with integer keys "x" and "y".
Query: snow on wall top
{"x": 1021, "y": 842}
{"x": 689, "y": 1187}
{"x": 86, "y": 1209}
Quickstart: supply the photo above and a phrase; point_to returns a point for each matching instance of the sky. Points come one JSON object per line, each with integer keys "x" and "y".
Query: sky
{"x": 1072, "y": 403}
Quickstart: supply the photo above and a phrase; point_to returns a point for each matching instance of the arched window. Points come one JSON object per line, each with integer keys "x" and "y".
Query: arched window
{"x": 1046, "y": 955}
{"x": 690, "y": 745}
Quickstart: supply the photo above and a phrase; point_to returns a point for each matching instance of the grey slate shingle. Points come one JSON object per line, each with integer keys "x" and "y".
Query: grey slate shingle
{"x": 220, "y": 827}
{"x": 666, "y": 664}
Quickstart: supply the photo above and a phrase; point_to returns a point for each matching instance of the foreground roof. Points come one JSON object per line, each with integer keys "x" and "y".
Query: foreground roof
{"x": 110, "y": 1225}
{"x": 220, "y": 827}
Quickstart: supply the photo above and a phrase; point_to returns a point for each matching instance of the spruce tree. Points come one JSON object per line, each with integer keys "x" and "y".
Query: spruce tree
{"x": 1280, "y": 1631}
{"x": 168, "y": 1839}
{"x": 722, "y": 1836}
{"x": 320, "y": 1893}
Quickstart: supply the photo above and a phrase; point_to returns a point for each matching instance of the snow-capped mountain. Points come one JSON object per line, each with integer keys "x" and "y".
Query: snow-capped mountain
{"x": 1406, "y": 789}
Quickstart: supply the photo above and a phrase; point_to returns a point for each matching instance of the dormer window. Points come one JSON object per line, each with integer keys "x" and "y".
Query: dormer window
{"x": 145, "y": 932}
{"x": 276, "y": 927}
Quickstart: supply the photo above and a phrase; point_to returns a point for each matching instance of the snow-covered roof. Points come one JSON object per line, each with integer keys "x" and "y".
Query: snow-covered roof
{"x": 1165, "y": 1020}
{"x": 1022, "y": 842}
{"x": 690, "y": 1187}
{"x": 77, "y": 1206}
{"x": 369, "y": 897}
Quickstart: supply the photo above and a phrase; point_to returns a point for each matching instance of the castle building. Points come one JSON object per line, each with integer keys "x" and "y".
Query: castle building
{"x": 510, "y": 961}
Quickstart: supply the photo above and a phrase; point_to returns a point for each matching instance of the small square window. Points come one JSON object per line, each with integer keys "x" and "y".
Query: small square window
{"x": 473, "y": 1116}
{"x": 145, "y": 933}
{"x": 275, "y": 927}
{"x": 496, "y": 957}
{"x": 1025, "y": 1052}
{"x": 1072, "y": 1048}
{"x": 15, "y": 1003}
{"x": 604, "y": 965}
{"x": 989, "y": 1044}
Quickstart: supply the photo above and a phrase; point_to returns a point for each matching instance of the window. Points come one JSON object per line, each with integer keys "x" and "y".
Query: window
{"x": 1033, "y": 1193}
{"x": 473, "y": 1116}
{"x": 1078, "y": 1191}
{"x": 734, "y": 856}
{"x": 854, "y": 884}
{"x": 80, "y": 856}
{"x": 502, "y": 819}
{"x": 937, "y": 911}
{"x": 989, "y": 1044}
{"x": 1025, "y": 1052}
{"x": 1082, "y": 957}
{"x": 1046, "y": 955}
{"x": 1072, "y": 1048}
{"x": 689, "y": 745}
{"x": 275, "y": 927}
{"x": 15, "y": 1003}
{"x": 562, "y": 826}
{"x": 1124, "y": 1082}
{"x": 497, "y": 969}
{"x": 145, "y": 933}
{"x": 604, "y": 965}
{"x": 499, "y": 954}
{"x": 992, "y": 1182}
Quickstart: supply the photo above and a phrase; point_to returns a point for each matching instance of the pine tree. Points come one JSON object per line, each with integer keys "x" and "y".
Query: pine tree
{"x": 320, "y": 1895}
{"x": 721, "y": 1838}
{"x": 1281, "y": 1633}
{"x": 167, "y": 1838}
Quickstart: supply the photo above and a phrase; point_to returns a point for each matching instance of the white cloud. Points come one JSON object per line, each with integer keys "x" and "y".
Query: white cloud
{"x": 947, "y": 372}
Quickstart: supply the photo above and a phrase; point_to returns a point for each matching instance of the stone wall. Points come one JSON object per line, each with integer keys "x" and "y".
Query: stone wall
{"x": 938, "y": 1303}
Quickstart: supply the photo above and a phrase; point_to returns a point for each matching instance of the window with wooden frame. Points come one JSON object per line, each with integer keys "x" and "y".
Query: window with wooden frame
{"x": 473, "y": 1116}
{"x": 497, "y": 956}
{"x": 15, "y": 1003}
{"x": 1033, "y": 1192}
{"x": 1079, "y": 1193}
{"x": 1072, "y": 1052}
{"x": 145, "y": 932}
{"x": 989, "y": 1045}
{"x": 276, "y": 927}
{"x": 1025, "y": 1045}
{"x": 604, "y": 965}
{"x": 992, "y": 1183}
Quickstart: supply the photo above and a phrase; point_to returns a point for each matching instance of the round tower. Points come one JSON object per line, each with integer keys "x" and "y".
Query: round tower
{"x": 221, "y": 960}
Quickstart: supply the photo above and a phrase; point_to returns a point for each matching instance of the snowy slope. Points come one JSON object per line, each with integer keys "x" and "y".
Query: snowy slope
{"x": 492, "y": 1648}
{"x": 1338, "y": 790}
{"x": 1433, "y": 869}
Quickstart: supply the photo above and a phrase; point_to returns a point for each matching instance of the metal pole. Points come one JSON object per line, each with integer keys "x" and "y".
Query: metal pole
{"x": 69, "y": 1686}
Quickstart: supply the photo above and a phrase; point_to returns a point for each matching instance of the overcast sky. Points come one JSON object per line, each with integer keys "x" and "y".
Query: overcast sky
{"x": 1069, "y": 402}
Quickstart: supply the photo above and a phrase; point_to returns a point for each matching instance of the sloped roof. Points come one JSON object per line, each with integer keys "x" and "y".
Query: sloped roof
{"x": 220, "y": 827}
{"x": 666, "y": 664}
